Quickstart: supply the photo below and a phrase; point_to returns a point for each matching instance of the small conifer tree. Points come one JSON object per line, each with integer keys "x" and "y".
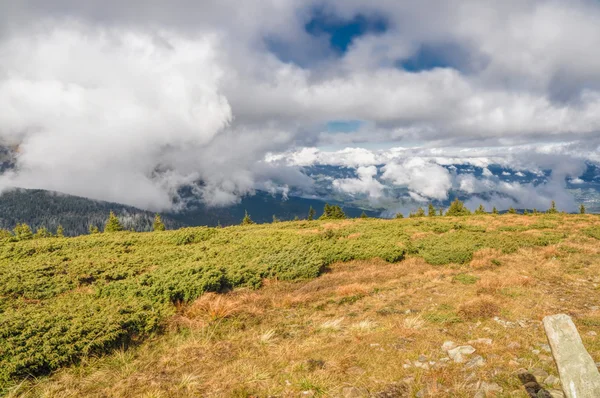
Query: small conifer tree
{"x": 363, "y": 215}
{"x": 93, "y": 229}
{"x": 494, "y": 210}
{"x": 332, "y": 212}
{"x": 158, "y": 225}
{"x": 457, "y": 208}
{"x": 60, "y": 231}
{"x": 311, "y": 213}
{"x": 552, "y": 209}
{"x": 275, "y": 219}
{"x": 582, "y": 209}
{"x": 480, "y": 210}
{"x": 23, "y": 232}
{"x": 247, "y": 220}
{"x": 399, "y": 215}
{"x": 525, "y": 212}
{"x": 296, "y": 218}
{"x": 419, "y": 213}
{"x": 113, "y": 224}
{"x": 441, "y": 213}
{"x": 512, "y": 210}
{"x": 431, "y": 211}
{"x": 42, "y": 232}
{"x": 535, "y": 211}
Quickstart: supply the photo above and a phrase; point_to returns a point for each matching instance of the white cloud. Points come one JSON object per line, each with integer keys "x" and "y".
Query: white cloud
{"x": 419, "y": 176}
{"x": 365, "y": 183}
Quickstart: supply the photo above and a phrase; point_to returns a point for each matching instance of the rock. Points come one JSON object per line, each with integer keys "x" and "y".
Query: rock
{"x": 536, "y": 352}
{"x": 592, "y": 333}
{"x": 422, "y": 358}
{"x": 421, "y": 365}
{"x": 351, "y": 392}
{"x": 308, "y": 393}
{"x": 552, "y": 380}
{"x": 575, "y": 365}
{"x": 448, "y": 345}
{"x": 556, "y": 393}
{"x": 485, "y": 341}
{"x": 513, "y": 345}
{"x": 488, "y": 388}
{"x": 594, "y": 308}
{"x": 545, "y": 347}
{"x": 457, "y": 354}
{"x": 476, "y": 362}
{"x": 540, "y": 374}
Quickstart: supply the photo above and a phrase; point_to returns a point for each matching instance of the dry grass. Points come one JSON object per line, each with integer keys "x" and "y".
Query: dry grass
{"x": 363, "y": 325}
{"x": 479, "y": 308}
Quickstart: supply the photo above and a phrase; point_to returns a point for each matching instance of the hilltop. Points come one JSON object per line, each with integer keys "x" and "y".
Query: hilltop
{"x": 359, "y": 307}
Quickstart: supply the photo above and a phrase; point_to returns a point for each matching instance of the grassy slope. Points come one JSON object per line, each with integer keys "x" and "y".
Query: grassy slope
{"x": 64, "y": 300}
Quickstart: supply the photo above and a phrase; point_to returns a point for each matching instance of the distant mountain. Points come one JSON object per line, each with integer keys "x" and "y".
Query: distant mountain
{"x": 40, "y": 208}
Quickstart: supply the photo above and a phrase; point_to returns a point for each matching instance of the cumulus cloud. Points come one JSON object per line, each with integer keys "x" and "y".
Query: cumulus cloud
{"x": 365, "y": 183}
{"x": 421, "y": 176}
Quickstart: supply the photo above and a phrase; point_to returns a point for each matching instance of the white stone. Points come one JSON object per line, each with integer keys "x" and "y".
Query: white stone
{"x": 448, "y": 345}
{"x": 457, "y": 354}
{"x": 485, "y": 341}
{"x": 578, "y": 373}
{"x": 476, "y": 362}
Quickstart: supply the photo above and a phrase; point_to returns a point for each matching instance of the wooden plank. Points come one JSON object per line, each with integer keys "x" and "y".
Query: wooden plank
{"x": 578, "y": 372}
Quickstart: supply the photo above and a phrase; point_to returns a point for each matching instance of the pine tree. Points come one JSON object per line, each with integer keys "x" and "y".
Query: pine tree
{"x": 494, "y": 210}
{"x": 23, "y": 232}
{"x": 535, "y": 211}
{"x": 5, "y": 234}
{"x": 296, "y": 218}
{"x": 441, "y": 212}
{"x": 332, "y": 212}
{"x": 364, "y": 215}
{"x": 113, "y": 224}
{"x": 60, "y": 231}
{"x": 275, "y": 219}
{"x": 42, "y": 232}
{"x": 158, "y": 225}
{"x": 552, "y": 209}
{"x": 511, "y": 210}
{"x": 582, "y": 209}
{"x": 93, "y": 229}
{"x": 247, "y": 220}
{"x": 399, "y": 215}
{"x": 525, "y": 212}
{"x": 480, "y": 210}
{"x": 419, "y": 213}
{"x": 311, "y": 214}
{"x": 457, "y": 208}
{"x": 431, "y": 211}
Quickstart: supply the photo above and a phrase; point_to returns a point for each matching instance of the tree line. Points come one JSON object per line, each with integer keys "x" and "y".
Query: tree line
{"x": 457, "y": 208}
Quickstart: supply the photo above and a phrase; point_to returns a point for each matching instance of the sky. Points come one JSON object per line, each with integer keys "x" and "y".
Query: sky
{"x": 127, "y": 101}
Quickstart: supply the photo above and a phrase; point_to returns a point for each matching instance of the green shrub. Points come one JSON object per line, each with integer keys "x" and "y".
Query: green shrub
{"x": 466, "y": 279}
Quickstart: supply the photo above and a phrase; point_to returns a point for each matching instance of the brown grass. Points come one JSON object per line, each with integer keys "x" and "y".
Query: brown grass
{"x": 479, "y": 308}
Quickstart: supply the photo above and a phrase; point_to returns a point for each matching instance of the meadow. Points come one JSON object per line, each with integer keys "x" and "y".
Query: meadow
{"x": 355, "y": 307}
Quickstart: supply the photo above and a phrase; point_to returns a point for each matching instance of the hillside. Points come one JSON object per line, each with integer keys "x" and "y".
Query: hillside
{"x": 39, "y": 208}
{"x": 350, "y": 308}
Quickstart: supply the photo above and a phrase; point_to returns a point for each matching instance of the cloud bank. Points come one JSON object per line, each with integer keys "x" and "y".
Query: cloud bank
{"x": 129, "y": 101}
